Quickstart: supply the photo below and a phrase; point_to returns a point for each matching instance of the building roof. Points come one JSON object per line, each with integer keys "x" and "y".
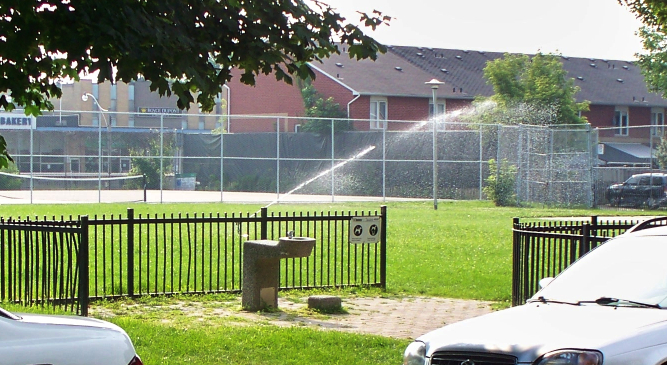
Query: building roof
{"x": 626, "y": 154}
{"x": 602, "y": 82}
{"x": 389, "y": 75}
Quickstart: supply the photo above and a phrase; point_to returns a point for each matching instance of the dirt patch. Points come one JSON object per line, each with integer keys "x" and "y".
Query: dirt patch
{"x": 406, "y": 317}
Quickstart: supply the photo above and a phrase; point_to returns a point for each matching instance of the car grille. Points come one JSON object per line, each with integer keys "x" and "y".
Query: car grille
{"x": 471, "y": 358}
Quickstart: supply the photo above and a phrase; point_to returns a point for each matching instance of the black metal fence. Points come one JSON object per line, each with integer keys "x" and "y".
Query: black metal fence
{"x": 544, "y": 249}
{"x": 162, "y": 255}
{"x": 40, "y": 263}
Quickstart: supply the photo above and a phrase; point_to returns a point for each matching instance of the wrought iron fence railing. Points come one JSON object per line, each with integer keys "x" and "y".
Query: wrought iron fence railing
{"x": 39, "y": 263}
{"x": 544, "y": 249}
{"x": 109, "y": 257}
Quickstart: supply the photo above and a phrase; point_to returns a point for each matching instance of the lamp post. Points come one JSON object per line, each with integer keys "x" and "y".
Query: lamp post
{"x": 434, "y": 84}
{"x": 84, "y": 98}
{"x": 60, "y": 101}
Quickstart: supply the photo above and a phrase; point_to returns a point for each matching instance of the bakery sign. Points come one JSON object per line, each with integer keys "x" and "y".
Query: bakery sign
{"x": 157, "y": 111}
{"x": 16, "y": 121}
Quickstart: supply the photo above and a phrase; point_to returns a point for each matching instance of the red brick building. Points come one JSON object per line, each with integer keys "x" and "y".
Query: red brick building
{"x": 391, "y": 90}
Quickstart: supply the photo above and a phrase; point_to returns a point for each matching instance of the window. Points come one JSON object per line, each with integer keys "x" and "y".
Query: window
{"x": 74, "y": 165}
{"x": 125, "y": 165}
{"x": 378, "y": 113}
{"x": 657, "y": 121}
{"x": 621, "y": 121}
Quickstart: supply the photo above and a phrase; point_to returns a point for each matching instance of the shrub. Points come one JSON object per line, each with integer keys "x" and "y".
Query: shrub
{"x": 500, "y": 185}
{"x": 10, "y": 182}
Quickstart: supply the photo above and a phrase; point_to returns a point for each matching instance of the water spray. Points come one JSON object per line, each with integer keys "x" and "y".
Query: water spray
{"x": 305, "y": 183}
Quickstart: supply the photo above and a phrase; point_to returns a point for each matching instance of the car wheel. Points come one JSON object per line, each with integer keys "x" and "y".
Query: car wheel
{"x": 615, "y": 201}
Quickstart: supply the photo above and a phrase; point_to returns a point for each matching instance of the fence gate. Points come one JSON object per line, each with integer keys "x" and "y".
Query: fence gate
{"x": 39, "y": 263}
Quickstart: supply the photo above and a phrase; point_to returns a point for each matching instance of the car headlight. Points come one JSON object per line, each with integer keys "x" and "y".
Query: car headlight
{"x": 415, "y": 354}
{"x": 571, "y": 357}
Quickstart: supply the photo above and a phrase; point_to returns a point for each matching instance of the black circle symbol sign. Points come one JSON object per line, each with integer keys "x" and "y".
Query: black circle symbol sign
{"x": 358, "y": 230}
{"x": 373, "y": 230}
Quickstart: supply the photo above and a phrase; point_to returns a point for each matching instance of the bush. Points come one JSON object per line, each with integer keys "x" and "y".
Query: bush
{"x": 500, "y": 185}
{"x": 318, "y": 107}
{"x": 10, "y": 182}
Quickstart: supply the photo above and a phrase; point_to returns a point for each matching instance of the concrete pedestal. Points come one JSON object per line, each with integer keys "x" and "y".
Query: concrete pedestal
{"x": 261, "y": 268}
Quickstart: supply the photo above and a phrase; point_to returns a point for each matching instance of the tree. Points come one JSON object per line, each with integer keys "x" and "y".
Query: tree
{"x": 146, "y": 160}
{"x": 318, "y": 107}
{"x": 652, "y": 63}
{"x": 530, "y": 90}
{"x": 653, "y": 13}
{"x": 184, "y": 47}
{"x": 661, "y": 153}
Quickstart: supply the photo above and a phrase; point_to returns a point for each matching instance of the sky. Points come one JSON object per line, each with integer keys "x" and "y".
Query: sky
{"x": 601, "y": 29}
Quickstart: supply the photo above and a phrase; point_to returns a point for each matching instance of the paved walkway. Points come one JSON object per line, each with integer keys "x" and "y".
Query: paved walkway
{"x": 403, "y": 318}
{"x": 406, "y": 318}
{"x": 173, "y": 196}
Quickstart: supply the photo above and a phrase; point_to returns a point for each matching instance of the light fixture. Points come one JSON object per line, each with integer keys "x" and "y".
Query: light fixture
{"x": 435, "y": 84}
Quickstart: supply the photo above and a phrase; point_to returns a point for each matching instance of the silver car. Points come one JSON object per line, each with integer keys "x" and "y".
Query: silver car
{"x": 609, "y": 307}
{"x": 29, "y": 339}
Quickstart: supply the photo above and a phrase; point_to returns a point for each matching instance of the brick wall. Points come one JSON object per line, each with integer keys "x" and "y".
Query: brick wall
{"x": 267, "y": 97}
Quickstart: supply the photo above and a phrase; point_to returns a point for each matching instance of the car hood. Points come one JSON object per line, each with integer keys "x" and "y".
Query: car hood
{"x": 67, "y": 321}
{"x": 71, "y": 340}
{"x": 533, "y": 329}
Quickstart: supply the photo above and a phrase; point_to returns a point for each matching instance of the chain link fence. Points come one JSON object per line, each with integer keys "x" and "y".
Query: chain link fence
{"x": 555, "y": 166}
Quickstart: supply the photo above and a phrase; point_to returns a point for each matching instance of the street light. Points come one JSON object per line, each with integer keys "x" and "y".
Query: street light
{"x": 434, "y": 84}
{"x": 60, "y": 100}
{"x": 84, "y": 98}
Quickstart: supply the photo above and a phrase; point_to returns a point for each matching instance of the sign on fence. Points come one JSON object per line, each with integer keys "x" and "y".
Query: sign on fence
{"x": 365, "y": 229}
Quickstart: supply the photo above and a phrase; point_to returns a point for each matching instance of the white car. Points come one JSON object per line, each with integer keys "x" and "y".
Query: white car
{"x": 30, "y": 339}
{"x": 609, "y": 307}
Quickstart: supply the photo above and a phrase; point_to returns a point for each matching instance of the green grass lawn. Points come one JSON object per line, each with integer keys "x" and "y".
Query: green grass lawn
{"x": 462, "y": 250}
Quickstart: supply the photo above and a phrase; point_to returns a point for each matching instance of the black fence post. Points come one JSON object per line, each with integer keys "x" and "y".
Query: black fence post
{"x": 83, "y": 262}
{"x": 145, "y": 183}
{"x": 264, "y": 223}
{"x": 3, "y": 278}
{"x": 516, "y": 259}
{"x": 585, "y": 240}
{"x": 383, "y": 247}
{"x": 130, "y": 252}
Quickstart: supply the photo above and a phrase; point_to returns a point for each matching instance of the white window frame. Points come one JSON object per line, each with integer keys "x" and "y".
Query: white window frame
{"x": 621, "y": 121}
{"x": 378, "y": 113}
{"x": 657, "y": 122}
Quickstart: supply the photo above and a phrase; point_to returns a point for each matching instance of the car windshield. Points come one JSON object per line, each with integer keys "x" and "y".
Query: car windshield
{"x": 622, "y": 271}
